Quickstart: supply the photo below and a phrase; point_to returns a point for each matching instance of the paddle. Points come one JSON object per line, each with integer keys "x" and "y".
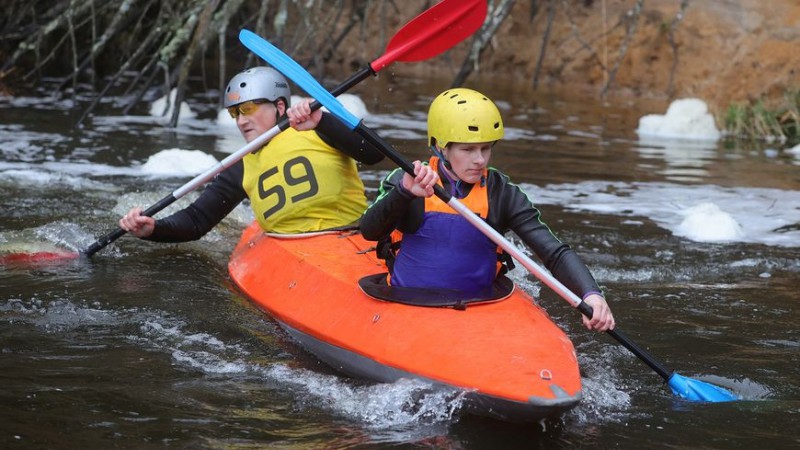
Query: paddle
{"x": 687, "y": 388}
{"x": 430, "y": 33}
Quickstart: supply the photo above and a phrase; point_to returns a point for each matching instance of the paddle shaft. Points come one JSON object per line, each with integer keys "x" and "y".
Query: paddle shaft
{"x": 540, "y": 273}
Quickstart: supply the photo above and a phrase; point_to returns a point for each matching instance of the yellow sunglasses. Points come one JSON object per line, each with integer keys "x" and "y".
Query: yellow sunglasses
{"x": 245, "y": 108}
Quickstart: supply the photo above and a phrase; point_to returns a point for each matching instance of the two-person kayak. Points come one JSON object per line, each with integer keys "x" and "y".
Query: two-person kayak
{"x": 507, "y": 355}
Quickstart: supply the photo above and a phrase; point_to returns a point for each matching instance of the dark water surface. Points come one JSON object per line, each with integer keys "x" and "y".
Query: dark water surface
{"x": 151, "y": 346}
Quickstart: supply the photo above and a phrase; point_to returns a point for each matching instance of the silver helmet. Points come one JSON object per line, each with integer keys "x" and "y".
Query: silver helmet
{"x": 257, "y": 83}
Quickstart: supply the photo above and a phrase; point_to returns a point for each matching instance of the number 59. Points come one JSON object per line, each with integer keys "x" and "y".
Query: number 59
{"x": 306, "y": 176}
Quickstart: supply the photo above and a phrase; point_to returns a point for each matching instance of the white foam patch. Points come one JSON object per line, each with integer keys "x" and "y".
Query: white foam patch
{"x": 178, "y": 162}
{"x": 60, "y": 315}
{"x": 18, "y": 143}
{"x": 168, "y": 163}
{"x": 707, "y": 223}
{"x": 794, "y": 150}
{"x": 162, "y": 331}
{"x": 47, "y": 102}
{"x": 65, "y": 235}
{"x": 703, "y": 213}
{"x": 163, "y": 107}
{"x": 685, "y": 119}
{"x": 154, "y": 126}
{"x": 60, "y": 175}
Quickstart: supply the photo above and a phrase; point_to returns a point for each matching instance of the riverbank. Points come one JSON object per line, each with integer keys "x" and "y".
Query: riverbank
{"x": 724, "y": 52}
{"x": 721, "y": 51}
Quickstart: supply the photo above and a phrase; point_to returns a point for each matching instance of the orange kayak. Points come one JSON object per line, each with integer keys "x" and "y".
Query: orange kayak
{"x": 511, "y": 360}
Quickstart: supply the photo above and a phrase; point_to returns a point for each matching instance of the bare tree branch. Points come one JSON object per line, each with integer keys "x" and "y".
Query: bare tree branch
{"x": 494, "y": 18}
{"x": 633, "y": 14}
{"x": 551, "y": 13}
{"x": 672, "y": 27}
{"x": 194, "y": 46}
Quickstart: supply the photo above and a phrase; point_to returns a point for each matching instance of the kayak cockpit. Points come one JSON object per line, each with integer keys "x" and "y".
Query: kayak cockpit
{"x": 376, "y": 286}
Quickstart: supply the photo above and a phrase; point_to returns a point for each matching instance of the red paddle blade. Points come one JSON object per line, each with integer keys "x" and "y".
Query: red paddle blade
{"x": 36, "y": 258}
{"x": 437, "y": 29}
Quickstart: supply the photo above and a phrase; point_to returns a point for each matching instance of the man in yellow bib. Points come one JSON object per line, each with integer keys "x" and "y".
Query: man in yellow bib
{"x": 305, "y": 179}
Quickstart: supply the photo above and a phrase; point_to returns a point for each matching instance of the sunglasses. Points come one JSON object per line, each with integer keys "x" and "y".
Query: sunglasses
{"x": 245, "y": 108}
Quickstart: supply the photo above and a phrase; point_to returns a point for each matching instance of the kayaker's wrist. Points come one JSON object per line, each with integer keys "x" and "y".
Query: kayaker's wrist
{"x": 404, "y": 192}
{"x": 590, "y": 293}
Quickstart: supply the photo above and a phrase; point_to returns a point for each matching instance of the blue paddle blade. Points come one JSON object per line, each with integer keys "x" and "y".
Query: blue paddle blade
{"x": 292, "y": 70}
{"x": 696, "y": 390}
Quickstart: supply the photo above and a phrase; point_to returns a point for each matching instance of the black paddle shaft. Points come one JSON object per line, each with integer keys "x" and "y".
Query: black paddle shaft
{"x": 112, "y": 236}
{"x": 373, "y": 138}
{"x": 620, "y": 337}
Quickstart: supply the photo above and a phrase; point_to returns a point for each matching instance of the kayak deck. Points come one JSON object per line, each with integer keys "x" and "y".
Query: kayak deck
{"x": 512, "y": 360}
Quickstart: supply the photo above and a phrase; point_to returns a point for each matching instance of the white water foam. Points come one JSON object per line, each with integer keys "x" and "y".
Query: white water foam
{"x": 23, "y": 145}
{"x": 166, "y": 163}
{"x": 53, "y": 176}
{"x": 706, "y": 222}
{"x": 178, "y": 162}
{"x": 606, "y": 394}
{"x": 703, "y": 213}
{"x": 685, "y": 119}
{"x": 377, "y": 405}
{"x": 380, "y": 405}
{"x": 164, "y": 107}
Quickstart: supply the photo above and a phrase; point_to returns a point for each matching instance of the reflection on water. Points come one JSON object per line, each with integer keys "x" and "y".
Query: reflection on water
{"x": 150, "y": 343}
{"x": 686, "y": 160}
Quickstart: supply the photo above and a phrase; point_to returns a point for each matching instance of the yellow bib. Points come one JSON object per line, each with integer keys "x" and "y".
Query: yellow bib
{"x": 298, "y": 183}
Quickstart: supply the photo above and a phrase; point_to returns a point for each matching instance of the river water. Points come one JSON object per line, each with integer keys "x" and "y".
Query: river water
{"x": 151, "y": 346}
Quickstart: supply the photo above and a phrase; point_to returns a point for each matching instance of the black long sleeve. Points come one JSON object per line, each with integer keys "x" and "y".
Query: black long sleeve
{"x": 337, "y": 135}
{"x": 509, "y": 209}
{"x": 394, "y": 209}
{"x": 216, "y": 201}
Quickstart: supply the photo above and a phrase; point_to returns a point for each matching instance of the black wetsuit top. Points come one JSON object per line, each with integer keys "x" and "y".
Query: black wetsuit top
{"x": 509, "y": 209}
{"x": 225, "y": 191}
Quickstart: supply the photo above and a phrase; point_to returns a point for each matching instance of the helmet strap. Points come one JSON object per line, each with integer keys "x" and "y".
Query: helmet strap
{"x": 439, "y": 154}
{"x": 456, "y": 184}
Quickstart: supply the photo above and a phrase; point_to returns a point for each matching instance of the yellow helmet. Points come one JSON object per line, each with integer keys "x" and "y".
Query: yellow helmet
{"x": 463, "y": 115}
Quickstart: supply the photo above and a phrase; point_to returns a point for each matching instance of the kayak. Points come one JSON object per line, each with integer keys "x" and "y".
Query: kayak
{"x": 507, "y": 356}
